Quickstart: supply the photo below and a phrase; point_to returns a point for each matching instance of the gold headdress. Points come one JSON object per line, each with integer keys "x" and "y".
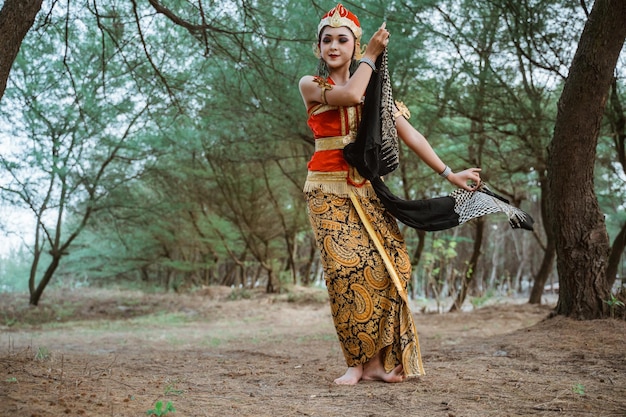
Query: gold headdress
{"x": 340, "y": 16}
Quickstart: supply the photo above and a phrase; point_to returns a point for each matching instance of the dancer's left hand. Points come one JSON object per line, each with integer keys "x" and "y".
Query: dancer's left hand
{"x": 468, "y": 180}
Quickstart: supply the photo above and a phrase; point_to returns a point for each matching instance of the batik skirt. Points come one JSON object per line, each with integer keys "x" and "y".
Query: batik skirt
{"x": 369, "y": 310}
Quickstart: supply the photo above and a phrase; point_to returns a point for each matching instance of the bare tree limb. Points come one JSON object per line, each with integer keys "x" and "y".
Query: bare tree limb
{"x": 584, "y": 6}
{"x": 149, "y": 58}
{"x": 194, "y": 29}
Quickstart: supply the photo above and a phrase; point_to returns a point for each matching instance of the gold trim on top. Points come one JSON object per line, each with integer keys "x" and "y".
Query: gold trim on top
{"x": 332, "y": 143}
{"x": 352, "y": 119}
{"x": 321, "y": 108}
{"x": 337, "y": 183}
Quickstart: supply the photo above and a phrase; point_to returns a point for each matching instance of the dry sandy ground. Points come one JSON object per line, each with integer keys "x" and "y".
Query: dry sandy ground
{"x": 113, "y": 353}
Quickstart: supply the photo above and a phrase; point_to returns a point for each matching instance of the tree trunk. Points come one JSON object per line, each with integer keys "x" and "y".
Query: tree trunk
{"x": 582, "y": 243}
{"x": 269, "y": 286}
{"x": 415, "y": 260}
{"x": 617, "y": 119}
{"x": 35, "y": 296}
{"x": 542, "y": 275}
{"x": 617, "y": 249}
{"x": 550, "y": 252}
{"x": 471, "y": 266}
{"x": 16, "y": 19}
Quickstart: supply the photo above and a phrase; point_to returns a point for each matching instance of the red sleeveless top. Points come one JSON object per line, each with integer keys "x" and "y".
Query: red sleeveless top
{"x": 330, "y": 121}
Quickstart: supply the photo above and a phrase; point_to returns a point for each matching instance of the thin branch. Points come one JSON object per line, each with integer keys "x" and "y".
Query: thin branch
{"x": 149, "y": 57}
{"x": 584, "y": 6}
{"x": 191, "y": 27}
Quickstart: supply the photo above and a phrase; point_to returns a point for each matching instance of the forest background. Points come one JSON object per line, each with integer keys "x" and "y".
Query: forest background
{"x": 163, "y": 146}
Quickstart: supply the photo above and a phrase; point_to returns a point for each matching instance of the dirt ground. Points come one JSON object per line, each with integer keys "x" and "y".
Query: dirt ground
{"x": 217, "y": 353}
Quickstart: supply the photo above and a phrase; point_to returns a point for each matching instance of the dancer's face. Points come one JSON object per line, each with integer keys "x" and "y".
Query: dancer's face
{"x": 337, "y": 46}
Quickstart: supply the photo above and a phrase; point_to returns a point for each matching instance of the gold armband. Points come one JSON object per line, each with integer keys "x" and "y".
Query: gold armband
{"x": 324, "y": 85}
{"x": 401, "y": 110}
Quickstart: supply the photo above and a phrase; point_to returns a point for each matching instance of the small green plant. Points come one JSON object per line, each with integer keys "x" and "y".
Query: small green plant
{"x": 613, "y": 303}
{"x": 9, "y": 321}
{"x": 171, "y": 389}
{"x": 478, "y": 302}
{"x": 239, "y": 294}
{"x": 12, "y": 379}
{"x": 579, "y": 389}
{"x": 42, "y": 354}
{"x": 159, "y": 410}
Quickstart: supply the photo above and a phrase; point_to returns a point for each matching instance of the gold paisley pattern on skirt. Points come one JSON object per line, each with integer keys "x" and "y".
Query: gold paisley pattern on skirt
{"x": 367, "y": 311}
{"x": 318, "y": 209}
{"x": 340, "y": 252}
{"x": 377, "y": 277}
{"x": 403, "y": 263}
{"x": 363, "y": 307}
{"x": 367, "y": 343}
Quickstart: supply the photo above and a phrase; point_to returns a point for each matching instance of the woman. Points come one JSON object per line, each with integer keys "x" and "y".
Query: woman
{"x": 365, "y": 260}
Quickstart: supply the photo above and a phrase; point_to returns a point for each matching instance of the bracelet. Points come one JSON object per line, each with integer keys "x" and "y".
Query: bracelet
{"x": 368, "y": 62}
{"x": 447, "y": 171}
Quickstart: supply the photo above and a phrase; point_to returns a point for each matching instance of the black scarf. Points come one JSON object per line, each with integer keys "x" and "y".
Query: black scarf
{"x": 374, "y": 154}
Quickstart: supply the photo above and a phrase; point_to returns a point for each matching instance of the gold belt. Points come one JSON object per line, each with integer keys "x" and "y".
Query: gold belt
{"x": 329, "y": 177}
{"x": 333, "y": 142}
{"x": 339, "y": 183}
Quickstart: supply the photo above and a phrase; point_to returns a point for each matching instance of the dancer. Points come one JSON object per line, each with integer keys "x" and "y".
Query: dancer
{"x": 364, "y": 256}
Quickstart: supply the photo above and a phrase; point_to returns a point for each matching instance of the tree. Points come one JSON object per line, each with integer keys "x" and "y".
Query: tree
{"x": 617, "y": 122}
{"x": 75, "y": 138}
{"x": 216, "y": 36}
{"x": 537, "y": 32}
{"x": 225, "y": 134}
{"x": 483, "y": 54}
{"x": 16, "y": 19}
{"x": 581, "y": 238}
{"x": 221, "y": 201}
{"x": 83, "y": 109}
{"x": 496, "y": 88}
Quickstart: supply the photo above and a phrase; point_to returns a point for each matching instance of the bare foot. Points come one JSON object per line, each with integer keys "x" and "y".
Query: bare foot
{"x": 351, "y": 377}
{"x": 379, "y": 374}
{"x": 375, "y": 371}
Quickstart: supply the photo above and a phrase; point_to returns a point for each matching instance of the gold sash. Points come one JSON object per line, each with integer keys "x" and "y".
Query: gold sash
{"x": 393, "y": 274}
{"x": 333, "y": 142}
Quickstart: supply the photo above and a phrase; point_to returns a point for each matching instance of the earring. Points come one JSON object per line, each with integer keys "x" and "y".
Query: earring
{"x": 322, "y": 69}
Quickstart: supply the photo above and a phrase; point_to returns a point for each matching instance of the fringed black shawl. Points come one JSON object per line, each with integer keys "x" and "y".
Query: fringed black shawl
{"x": 374, "y": 154}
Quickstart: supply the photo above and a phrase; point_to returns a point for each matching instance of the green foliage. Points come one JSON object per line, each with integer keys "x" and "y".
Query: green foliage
{"x": 176, "y": 158}
{"x": 480, "y": 301}
{"x": 610, "y": 183}
{"x": 578, "y": 389}
{"x": 74, "y": 137}
{"x": 171, "y": 389}
{"x": 14, "y": 270}
{"x": 43, "y": 354}
{"x": 239, "y": 294}
{"x": 614, "y": 303}
{"x": 437, "y": 266}
{"x": 161, "y": 410}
